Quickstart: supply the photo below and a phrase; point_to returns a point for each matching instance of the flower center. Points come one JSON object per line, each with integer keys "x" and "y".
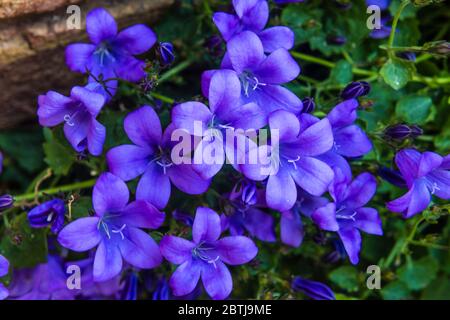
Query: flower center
{"x": 206, "y": 253}
{"x": 434, "y": 187}
{"x": 250, "y": 82}
{"x": 163, "y": 160}
{"x": 345, "y": 216}
{"x": 103, "y": 52}
{"x": 110, "y": 229}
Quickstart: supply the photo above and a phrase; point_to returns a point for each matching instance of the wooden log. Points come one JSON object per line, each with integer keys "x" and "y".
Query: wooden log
{"x": 33, "y": 34}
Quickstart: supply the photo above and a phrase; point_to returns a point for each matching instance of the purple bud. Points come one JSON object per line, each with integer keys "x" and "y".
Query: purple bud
{"x": 308, "y": 105}
{"x": 49, "y": 213}
{"x": 355, "y": 90}
{"x": 183, "y": 217}
{"x": 313, "y": 289}
{"x": 411, "y": 56}
{"x": 166, "y": 53}
{"x": 416, "y": 131}
{"x": 392, "y": 176}
{"x": 397, "y": 132}
{"x": 337, "y": 40}
{"x": 6, "y": 201}
{"x": 249, "y": 196}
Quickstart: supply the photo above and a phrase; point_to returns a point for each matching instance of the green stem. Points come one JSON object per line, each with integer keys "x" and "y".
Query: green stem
{"x": 394, "y": 24}
{"x": 175, "y": 70}
{"x": 429, "y": 245}
{"x": 162, "y": 97}
{"x": 65, "y": 188}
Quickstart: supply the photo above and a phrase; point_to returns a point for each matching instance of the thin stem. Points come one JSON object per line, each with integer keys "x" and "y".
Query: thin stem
{"x": 395, "y": 22}
{"x": 50, "y": 191}
{"x": 162, "y": 97}
{"x": 429, "y": 245}
{"x": 175, "y": 70}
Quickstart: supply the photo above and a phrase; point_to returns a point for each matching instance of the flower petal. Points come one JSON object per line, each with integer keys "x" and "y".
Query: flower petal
{"x": 407, "y": 161}
{"x": 80, "y": 235}
{"x": 110, "y": 194}
{"x": 360, "y": 191}
{"x": 191, "y": 116}
{"x": 128, "y": 161}
{"x": 281, "y": 192}
{"x": 291, "y": 229}
{"x": 185, "y": 278}
{"x": 77, "y": 131}
{"x": 228, "y": 24}
{"x": 100, "y": 25}
{"x": 78, "y": 56}
{"x": 260, "y": 224}
{"x": 93, "y": 102}
{"x": 245, "y": 51}
{"x": 52, "y": 108}
{"x": 175, "y": 249}
{"x": 278, "y": 68}
{"x": 351, "y": 238}
{"x": 107, "y": 261}
{"x": 236, "y": 250}
{"x": 440, "y": 183}
{"x": 185, "y": 178}
{"x": 351, "y": 141}
{"x": 315, "y": 140}
{"x": 286, "y": 123}
{"x": 368, "y": 220}
{"x": 4, "y": 266}
{"x": 343, "y": 114}
{"x": 217, "y": 280}
{"x": 154, "y": 186}
{"x": 143, "y": 127}
{"x": 139, "y": 249}
{"x": 129, "y": 68}
{"x": 96, "y": 137}
{"x": 142, "y": 214}
{"x": 224, "y": 91}
{"x": 325, "y": 217}
{"x": 206, "y": 225}
{"x": 429, "y": 161}
{"x": 277, "y": 37}
{"x": 413, "y": 202}
{"x": 136, "y": 39}
{"x": 312, "y": 175}
{"x": 254, "y": 14}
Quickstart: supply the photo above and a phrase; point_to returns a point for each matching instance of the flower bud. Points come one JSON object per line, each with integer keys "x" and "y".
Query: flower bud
{"x": 166, "y": 53}
{"x": 397, "y": 132}
{"x": 308, "y": 105}
{"x": 355, "y": 90}
{"x": 49, "y": 213}
{"x": 6, "y": 201}
{"x": 313, "y": 289}
{"x": 249, "y": 196}
{"x": 439, "y": 48}
{"x": 416, "y": 131}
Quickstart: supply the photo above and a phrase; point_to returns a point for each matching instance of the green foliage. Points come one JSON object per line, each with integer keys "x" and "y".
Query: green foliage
{"x": 58, "y": 154}
{"x": 414, "y": 108}
{"x": 345, "y": 277}
{"x": 397, "y": 73}
{"x": 418, "y": 274}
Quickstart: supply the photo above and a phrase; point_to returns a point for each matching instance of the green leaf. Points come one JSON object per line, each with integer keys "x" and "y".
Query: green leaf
{"x": 80, "y": 208}
{"x": 22, "y": 245}
{"x": 342, "y": 72}
{"x": 345, "y": 277}
{"x": 397, "y": 73}
{"x": 59, "y": 156}
{"x": 418, "y": 274}
{"x": 395, "y": 290}
{"x": 414, "y": 108}
{"x": 439, "y": 289}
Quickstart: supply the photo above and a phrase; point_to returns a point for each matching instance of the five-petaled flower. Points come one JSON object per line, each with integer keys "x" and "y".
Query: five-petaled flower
{"x": 49, "y": 213}
{"x": 115, "y": 228}
{"x": 206, "y": 256}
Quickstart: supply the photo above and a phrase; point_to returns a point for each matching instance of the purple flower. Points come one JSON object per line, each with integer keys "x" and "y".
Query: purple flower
{"x": 349, "y": 139}
{"x": 347, "y": 214}
{"x": 115, "y": 229}
{"x": 49, "y": 213}
{"x": 291, "y": 225}
{"x": 293, "y": 160}
{"x": 6, "y": 202}
{"x": 383, "y": 4}
{"x": 4, "y": 267}
{"x": 150, "y": 156}
{"x": 225, "y": 112}
{"x": 111, "y": 54}
{"x": 244, "y": 213}
{"x": 206, "y": 256}
{"x": 166, "y": 53}
{"x": 313, "y": 289}
{"x": 261, "y": 76}
{"x": 392, "y": 176}
{"x": 46, "y": 281}
{"x": 425, "y": 174}
{"x": 78, "y": 112}
{"x": 252, "y": 15}
{"x": 355, "y": 90}
{"x": 384, "y": 31}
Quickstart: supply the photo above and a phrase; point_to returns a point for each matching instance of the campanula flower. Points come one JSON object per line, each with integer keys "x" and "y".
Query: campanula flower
{"x": 205, "y": 256}
{"x": 225, "y": 112}
{"x": 383, "y": 4}
{"x": 347, "y": 215}
{"x": 46, "y": 281}
{"x": 4, "y": 267}
{"x": 111, "y": 53}
{"x": 384, "y": 30}
{"x": 313, "y": 289}
{"x": 355, "y": 90}
{"x": 349, "y": 139}
{"x": 292, "y": 160}
{"x": 49, "y": 213}
{"x": 261, "y": 76}
{"x": 115, "y": 229}
{"x": 252, "y": 15}
{"x": 6, "y": 202}
{"x": 166, "y": 53}
{"x": 392, "y": 176}
{"x": 291, "y": 225}
{"x": 150, "y": 156}
{"x": 243, "y": 213}
{"x": 426, "y": 174}
{"x": 79, "y": 113}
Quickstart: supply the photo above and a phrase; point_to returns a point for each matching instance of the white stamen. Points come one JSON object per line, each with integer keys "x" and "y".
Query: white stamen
{"x": 293, "y": 161}
{"x": 120, "y": 231}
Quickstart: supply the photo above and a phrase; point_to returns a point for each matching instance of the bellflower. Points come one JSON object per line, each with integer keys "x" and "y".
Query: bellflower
{"x": 293, "y": 160}
{"x": 225, "y": 112}
{"x": 150, "y": 156}
{"x": 291, "y": 225}
{"x": 111, "y": 54}
{"x": 49, "y": 213}
{"x": 115, "y": 229}
{"x": 252, "y": 15}
{"x": 349, "y": 139}
{"x": 347, "y": 215}
{"x": 426, "y": 174}
{"x": 4, "y": 267}
{"x": 6, "y": 202}
{"x": 205, "y": 256}
{"x": 383, "y": 4}
{"x": 244, "y": 213}
{"x": 78, "y": 112}
{"x": 261, "y": 76}
{"x": 46, "y": 281}
{"x": 313, "y": 289}
{"x": 166, "y": 53}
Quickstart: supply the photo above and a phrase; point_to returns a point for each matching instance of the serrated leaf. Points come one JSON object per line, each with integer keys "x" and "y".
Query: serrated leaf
{"x": 414, "y": 109}
{"x": 418, "y": 274}
{"x": 397, "y": 73}
{"x": 345, "y": 277}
